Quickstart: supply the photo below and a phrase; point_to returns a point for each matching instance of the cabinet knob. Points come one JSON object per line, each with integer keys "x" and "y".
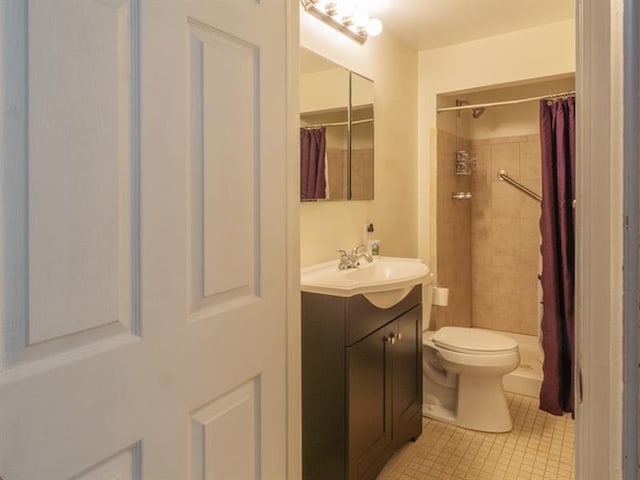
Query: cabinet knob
{"x": 393, "y": 338}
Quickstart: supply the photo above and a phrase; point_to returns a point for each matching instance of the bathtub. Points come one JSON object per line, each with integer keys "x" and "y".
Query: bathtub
{"x": 527, "y": 378}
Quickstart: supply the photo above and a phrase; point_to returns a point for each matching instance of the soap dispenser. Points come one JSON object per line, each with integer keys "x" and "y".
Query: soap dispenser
{"x": 366, "y": 230}
{"x": 373, "y": 246}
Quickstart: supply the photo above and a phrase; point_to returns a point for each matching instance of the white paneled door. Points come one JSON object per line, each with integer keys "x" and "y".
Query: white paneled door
{"x": 143, "y": 236}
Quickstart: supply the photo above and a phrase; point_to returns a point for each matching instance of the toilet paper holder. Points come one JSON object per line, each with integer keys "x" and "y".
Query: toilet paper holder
{"x": 440, "y": 296}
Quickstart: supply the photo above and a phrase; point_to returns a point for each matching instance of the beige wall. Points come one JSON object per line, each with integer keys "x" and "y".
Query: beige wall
{"x": 393, "y": 66}
{"x": 518, "y": 57}
{"x": 325, "y": 90}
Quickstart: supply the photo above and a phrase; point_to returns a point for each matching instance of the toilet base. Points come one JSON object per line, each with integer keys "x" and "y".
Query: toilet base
{"x": 481, "y": 402}
{"x": 438, "y": 412}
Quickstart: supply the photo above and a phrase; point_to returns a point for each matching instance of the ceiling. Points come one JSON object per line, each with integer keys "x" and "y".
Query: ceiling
{"x": 426, "y": 24}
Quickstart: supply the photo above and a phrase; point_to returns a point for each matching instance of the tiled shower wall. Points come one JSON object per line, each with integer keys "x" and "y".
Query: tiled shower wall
{"x": 453, "y": 235}
{"x": 505, "y": 235}
{"x": 488, "y": 247}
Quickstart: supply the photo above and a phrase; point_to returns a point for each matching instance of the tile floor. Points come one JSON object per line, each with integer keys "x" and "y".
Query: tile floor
{"x": 540, "y": 447}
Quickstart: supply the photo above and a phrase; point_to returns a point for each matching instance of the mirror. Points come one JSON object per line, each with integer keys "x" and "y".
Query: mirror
{"x": 336, "y": 131}
{"x": 361, "y": 147}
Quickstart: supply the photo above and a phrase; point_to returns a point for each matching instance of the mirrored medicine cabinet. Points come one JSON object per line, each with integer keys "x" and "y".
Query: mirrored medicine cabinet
{"x": 336, "y": 131}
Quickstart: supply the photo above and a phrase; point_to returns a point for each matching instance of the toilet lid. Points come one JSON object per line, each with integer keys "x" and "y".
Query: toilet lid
{"x": 473, "y": 340}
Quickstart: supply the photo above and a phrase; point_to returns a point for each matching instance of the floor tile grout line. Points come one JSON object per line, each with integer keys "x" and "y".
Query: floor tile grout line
{"x": 539, "y": 447}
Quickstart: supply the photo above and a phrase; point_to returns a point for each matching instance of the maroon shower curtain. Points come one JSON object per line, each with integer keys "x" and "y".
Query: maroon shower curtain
{"x": 557, "y": 138}
{"x": 313, "y": 146}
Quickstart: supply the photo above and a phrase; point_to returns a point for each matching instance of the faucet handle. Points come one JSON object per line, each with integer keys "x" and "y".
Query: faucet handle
{"x": 357, "y": 249}
{"x": 346, "y": 261}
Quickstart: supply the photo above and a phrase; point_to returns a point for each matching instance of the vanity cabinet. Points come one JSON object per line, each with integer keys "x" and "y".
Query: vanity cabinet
{"x": 361, "y": 383}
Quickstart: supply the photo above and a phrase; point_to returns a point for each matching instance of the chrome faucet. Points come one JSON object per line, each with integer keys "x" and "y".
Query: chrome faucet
{"x": 367, "y": 256}
{"x": 352, "y": 260}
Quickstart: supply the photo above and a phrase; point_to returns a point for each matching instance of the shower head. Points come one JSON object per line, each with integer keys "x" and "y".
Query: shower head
{"x": 476, "y": 112}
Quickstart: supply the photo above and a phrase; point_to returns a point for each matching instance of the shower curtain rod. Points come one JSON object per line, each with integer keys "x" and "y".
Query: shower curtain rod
{"x": 339, "y": 124}
{"x": 507, "y": 102}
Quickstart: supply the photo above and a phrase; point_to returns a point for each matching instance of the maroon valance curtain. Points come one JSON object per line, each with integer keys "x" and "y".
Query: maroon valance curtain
{"x": 313, "y": 145}
{"x": 557, "y": 138}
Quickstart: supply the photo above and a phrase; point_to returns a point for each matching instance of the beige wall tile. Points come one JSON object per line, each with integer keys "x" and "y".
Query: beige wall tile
{"x": 488, "y": 249}
{"x": 482, "y": 297}
{"x": 505, "y": 201}
{"x": 530, "y": 210}
{"x": 505, "y": 234}
{"x": 530, "y": 239}
{"x": 530, "y": 166}
{"x": 483, "y": 171}
{"x": 505, "y": 237}
{"x": 453, "y": 235}
{"x": 481, "y": 203}
{"x": 505, "y": 156}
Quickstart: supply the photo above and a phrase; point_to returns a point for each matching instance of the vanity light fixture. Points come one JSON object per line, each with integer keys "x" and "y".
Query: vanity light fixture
{"x": 347, "y": 16}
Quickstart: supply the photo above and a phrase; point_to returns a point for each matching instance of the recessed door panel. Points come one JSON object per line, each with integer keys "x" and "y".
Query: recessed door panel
{"x": 124, "y": 465}
{"x": 225, "y": 166}
{"x": 225, "y": 436}
{"x": 369, "y": 400}
{"x": 407, "y": 374}
{"x": 77, "y": 187}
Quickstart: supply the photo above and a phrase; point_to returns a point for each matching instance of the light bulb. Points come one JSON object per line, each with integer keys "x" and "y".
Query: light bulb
{"x": 374, "y": 27}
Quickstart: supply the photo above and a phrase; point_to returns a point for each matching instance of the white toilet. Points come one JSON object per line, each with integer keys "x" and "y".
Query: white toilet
{"x": 462, "y": 377}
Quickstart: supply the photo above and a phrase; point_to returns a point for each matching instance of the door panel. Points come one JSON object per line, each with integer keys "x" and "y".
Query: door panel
{"x": 225, "y": 165}
{"x": 407, "y": 374}
{"x": 71, "y": 231}
{"x": 369, "y": 400}
{"x": 224, "y": 435}
{"x": 143, "y": 175}
{"x": 79, "y": 222}
{"x": 125, "y": 465}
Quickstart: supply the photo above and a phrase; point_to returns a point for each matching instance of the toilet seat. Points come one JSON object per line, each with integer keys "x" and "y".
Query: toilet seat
{"x": 472, "y": 341}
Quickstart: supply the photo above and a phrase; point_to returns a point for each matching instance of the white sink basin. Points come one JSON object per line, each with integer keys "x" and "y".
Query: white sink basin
{"x": 384, "y": 282}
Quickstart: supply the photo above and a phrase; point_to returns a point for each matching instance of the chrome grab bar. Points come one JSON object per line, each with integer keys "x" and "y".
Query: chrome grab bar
{"x": 504, "y": 175}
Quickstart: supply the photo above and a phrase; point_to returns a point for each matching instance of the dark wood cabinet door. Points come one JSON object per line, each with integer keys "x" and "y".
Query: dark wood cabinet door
{"x": 354, "y": 355}
{"x": 407, "y": 375}
{"x": 369, "y": 401}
